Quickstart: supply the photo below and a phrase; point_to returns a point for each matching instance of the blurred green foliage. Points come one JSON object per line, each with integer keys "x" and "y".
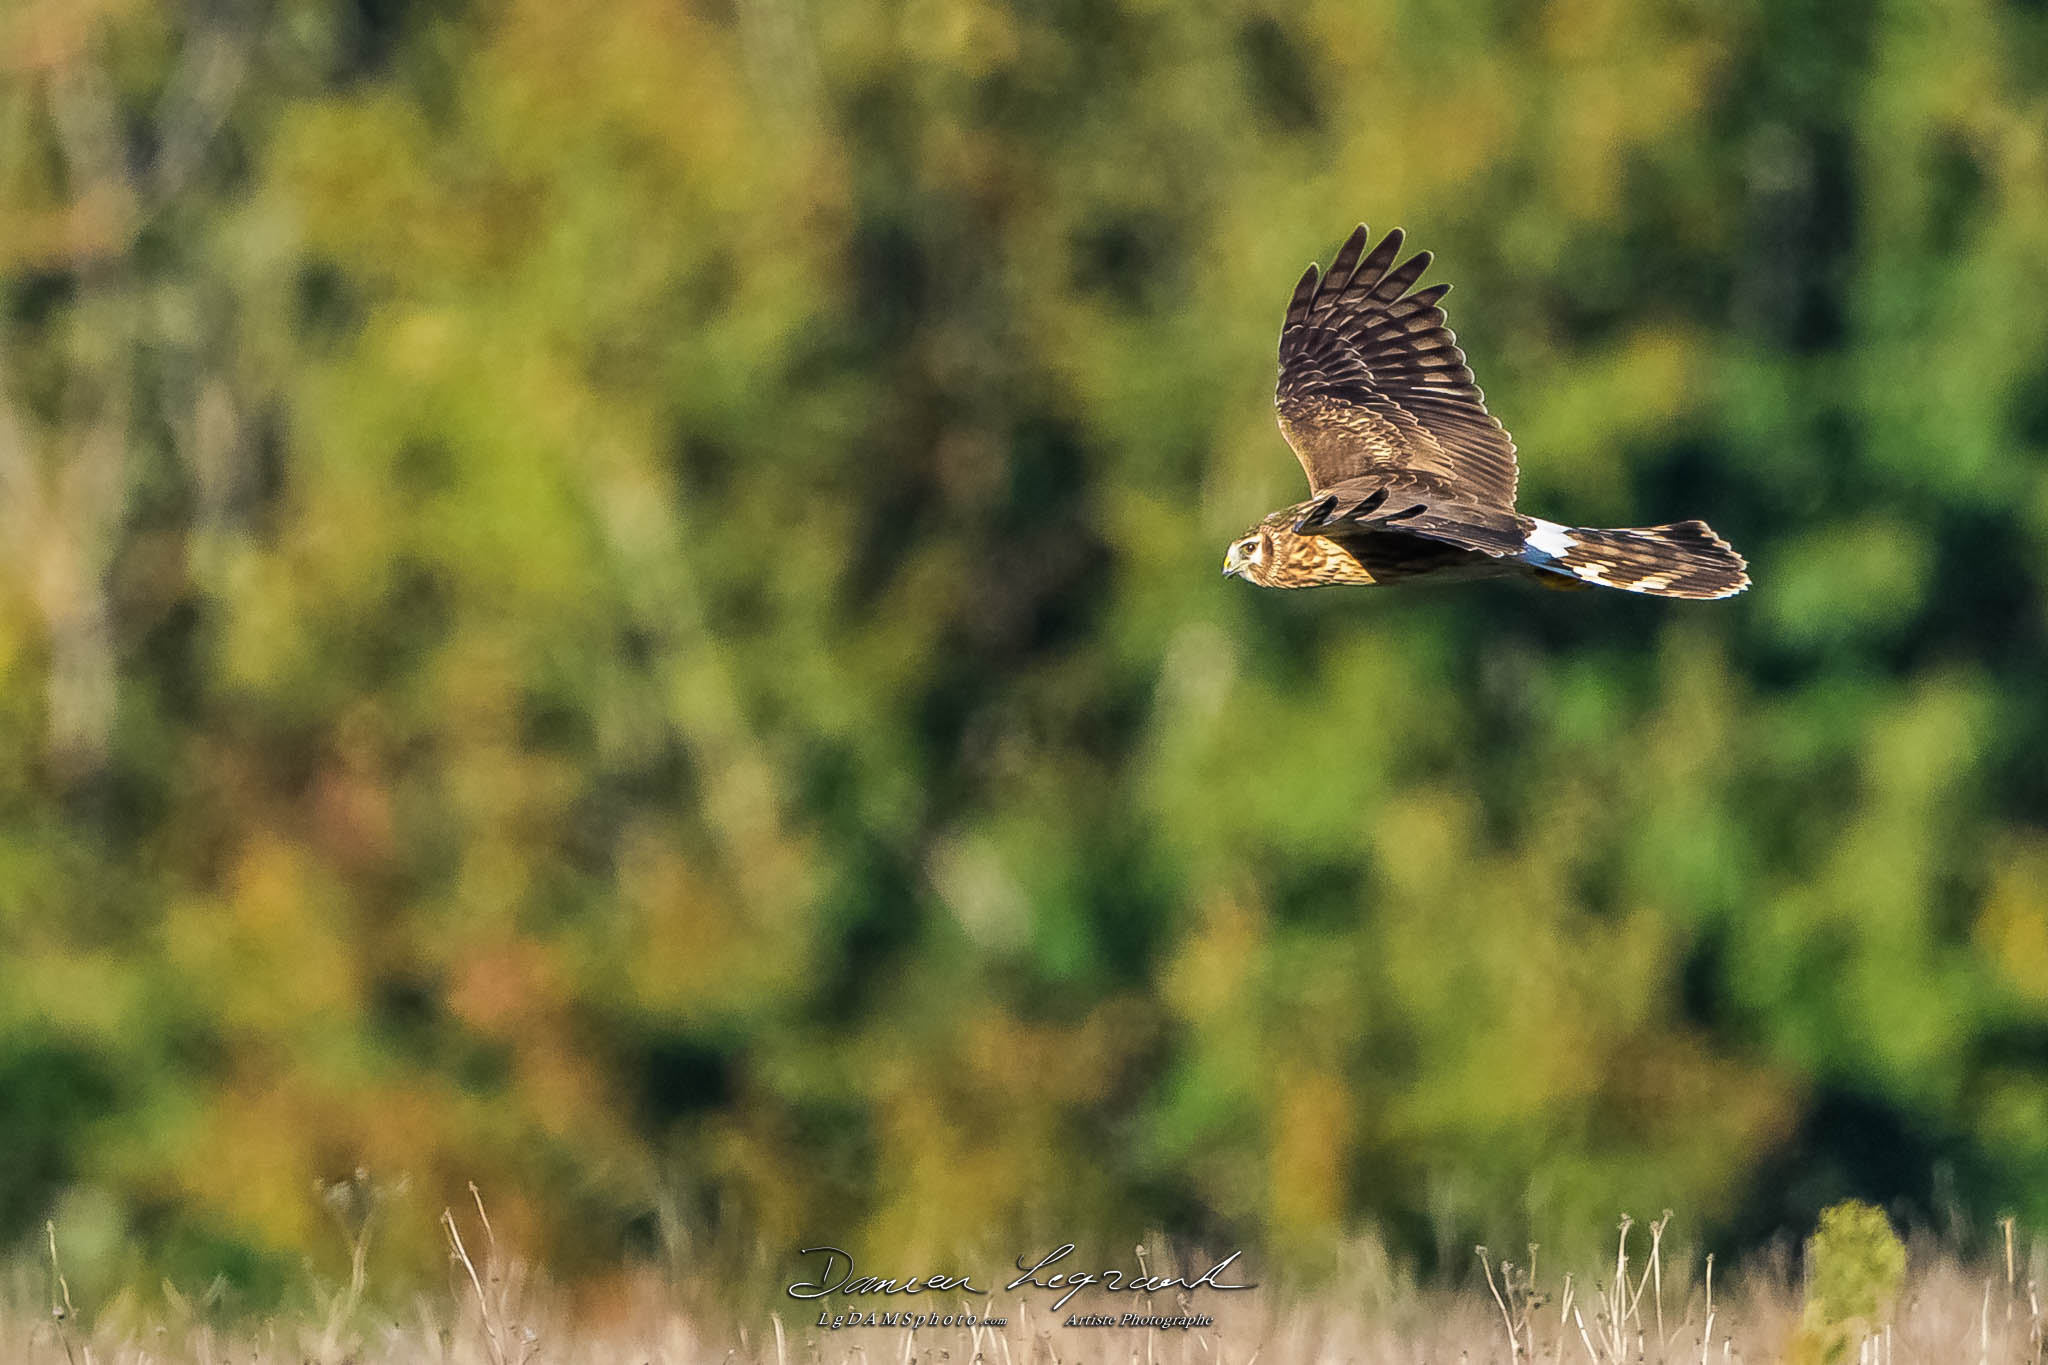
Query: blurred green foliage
{"x": 1855, "y": 1265}
{"x": 621, "y": 602}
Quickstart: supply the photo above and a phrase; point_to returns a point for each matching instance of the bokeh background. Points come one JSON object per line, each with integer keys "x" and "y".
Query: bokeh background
{"x": 621, "y": 602}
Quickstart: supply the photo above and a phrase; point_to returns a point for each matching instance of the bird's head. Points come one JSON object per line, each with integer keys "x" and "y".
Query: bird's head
{"x": 1251, "y": 556}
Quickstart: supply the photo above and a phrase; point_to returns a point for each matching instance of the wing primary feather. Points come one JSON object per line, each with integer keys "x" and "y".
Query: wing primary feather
{"x": 1346, "y": 260}
{"x": 1374, "y": 267}
{"x": 1315, "y": 515}
{"x": 1397, "y": 280}
{"x": 1304, "y": 289}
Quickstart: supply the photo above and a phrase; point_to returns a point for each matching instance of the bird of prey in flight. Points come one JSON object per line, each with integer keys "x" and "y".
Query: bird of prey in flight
{"x": 1409, "y": 476}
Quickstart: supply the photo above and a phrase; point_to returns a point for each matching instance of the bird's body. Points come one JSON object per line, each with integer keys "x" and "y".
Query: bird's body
{"x": 1288, "y": 559}
{"x": 1411, "y": 477}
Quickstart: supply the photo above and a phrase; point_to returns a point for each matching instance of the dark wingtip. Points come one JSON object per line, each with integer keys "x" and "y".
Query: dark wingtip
{"x": 1304, "y": 292}
{"x": 1316, "y": 515}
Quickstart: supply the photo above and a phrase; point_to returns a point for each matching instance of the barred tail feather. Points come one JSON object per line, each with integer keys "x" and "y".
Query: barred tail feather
{"x": 1685, "y": 559}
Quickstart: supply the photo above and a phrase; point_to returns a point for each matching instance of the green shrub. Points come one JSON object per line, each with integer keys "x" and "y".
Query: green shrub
{"x": 1855, "y": 1264}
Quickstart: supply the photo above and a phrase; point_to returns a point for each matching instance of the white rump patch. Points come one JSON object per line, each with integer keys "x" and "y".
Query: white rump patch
{"x": 1549, "y": 539}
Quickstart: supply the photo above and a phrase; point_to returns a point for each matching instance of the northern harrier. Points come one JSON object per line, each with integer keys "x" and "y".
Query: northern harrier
{"x": 1409, "y": 475}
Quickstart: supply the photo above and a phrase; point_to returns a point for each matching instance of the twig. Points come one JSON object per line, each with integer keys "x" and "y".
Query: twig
{"x": 1507, "y": 1319}
{"x": 61, "y": 1311}
{"x": 1564, "y": 1308}
{"x": 1707, "y": 1332}
{"x": 478, "y": 1197}
{"x": 1586, "y": 1336}
{"x": 483, "y": 1306}
{"x": 1657, "y": 1268}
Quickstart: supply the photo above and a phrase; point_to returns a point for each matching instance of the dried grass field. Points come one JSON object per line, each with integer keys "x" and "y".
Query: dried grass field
{"x": 1863, "y": 1297}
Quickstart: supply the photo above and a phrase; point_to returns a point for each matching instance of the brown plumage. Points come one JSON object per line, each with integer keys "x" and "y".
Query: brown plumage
{"x": 1410, "y": 476}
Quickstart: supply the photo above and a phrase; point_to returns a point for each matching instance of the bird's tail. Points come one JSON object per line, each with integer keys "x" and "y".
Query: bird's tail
{"x": 1685, "y": 559}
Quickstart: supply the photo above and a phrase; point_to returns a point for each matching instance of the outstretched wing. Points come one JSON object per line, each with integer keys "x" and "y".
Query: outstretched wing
{"x": 1393, "y": 503}
{"x": 1375, "y": 392}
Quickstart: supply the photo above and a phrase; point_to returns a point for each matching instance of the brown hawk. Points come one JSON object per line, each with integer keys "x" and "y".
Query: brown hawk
{"x": 1410, "y": 476}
